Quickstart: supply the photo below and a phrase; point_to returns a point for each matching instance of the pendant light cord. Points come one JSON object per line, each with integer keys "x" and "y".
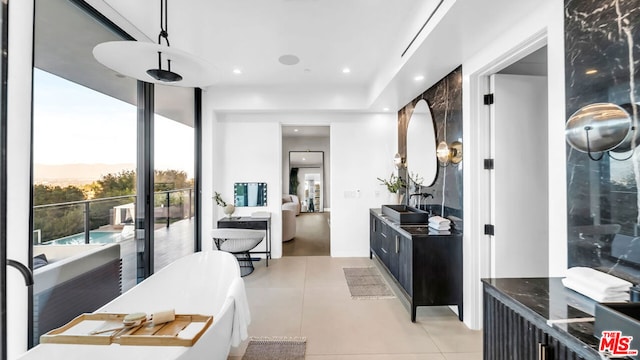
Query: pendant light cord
{"x": 164, "y": 22}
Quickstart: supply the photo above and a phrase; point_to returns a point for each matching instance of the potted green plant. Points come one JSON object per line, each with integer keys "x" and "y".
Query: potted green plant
{"x": 228, "y": 209}
{"x": 394, "y": 184}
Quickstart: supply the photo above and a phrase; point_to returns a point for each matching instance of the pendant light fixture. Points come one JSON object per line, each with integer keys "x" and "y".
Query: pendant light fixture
{"x": 138, "y": 59}
{"x": 159, "y": 73}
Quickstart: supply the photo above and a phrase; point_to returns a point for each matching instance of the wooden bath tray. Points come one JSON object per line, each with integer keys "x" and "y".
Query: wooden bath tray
{"x": 185, "y": 330}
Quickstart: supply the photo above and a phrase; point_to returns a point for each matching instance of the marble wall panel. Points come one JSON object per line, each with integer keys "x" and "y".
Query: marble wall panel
{"x": 602, "y": 64}
{"x": 445, "y": 102}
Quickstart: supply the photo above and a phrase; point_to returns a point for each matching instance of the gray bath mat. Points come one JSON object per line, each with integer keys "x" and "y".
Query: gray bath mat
{"x": 366, "y": 283}
{"x": 276, "y": 348}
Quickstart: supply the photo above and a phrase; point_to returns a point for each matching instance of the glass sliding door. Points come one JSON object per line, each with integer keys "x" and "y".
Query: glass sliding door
{"x": 84, "y": 156}
{"x": 174, "y": 195}
{"x": 101, "y": 141}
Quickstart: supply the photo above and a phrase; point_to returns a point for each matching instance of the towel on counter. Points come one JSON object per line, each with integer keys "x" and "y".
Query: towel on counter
{"x": 444, "y": 227}
{"x": 433, "y": 231}
{"x": 241, "y": 313}
{"x": 598, "y": 296}
{"x": 439, "y": 221}
{"x": 598, "y": 280}
{"x": 597, "y": 285}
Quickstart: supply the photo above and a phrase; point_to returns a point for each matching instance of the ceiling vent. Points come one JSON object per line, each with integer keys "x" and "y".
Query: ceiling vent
{"x": 422, "y": 28}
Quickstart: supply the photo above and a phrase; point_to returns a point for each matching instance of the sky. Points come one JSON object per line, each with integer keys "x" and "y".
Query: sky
{"x": 76, "y": 125}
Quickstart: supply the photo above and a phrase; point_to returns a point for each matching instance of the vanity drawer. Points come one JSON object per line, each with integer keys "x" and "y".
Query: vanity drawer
{"x": 254, "y": 225}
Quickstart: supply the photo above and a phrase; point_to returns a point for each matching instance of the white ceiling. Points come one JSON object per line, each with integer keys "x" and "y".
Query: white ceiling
{"x": 305, "y": 131}
{"x": 368, "y": 36}
{"x": 305, "y": 159}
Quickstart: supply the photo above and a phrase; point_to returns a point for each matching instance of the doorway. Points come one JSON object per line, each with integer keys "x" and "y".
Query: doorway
{"x": 306, "y": 156}
{"x": 519, "y": 182}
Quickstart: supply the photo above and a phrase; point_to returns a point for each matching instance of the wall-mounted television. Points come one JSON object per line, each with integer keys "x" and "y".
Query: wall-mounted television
{"x": 250, "y": 194}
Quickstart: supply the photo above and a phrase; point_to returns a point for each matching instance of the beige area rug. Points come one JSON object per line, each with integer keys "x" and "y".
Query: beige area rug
{"x": 276, "y": 348}
{"x": 366, "y": 283}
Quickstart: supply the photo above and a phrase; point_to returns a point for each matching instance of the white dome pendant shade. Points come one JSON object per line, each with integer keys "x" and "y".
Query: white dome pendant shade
{"x": 138, "y": 59}
{"x": 135, "y": 58}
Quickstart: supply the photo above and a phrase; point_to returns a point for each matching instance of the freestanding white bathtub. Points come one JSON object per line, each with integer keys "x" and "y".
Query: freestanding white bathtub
{"x": 206, "y": 283}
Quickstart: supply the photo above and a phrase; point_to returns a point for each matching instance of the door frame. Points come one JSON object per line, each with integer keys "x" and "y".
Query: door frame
{"x": 3, "y": 179}
{"x": 478, "y": 182}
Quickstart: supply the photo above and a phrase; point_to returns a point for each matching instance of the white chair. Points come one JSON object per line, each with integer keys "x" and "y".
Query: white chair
{"x": 238, "y": 242}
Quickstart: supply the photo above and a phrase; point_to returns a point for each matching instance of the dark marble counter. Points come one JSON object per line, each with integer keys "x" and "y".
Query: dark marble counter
{"x": 413, "y": 231}
{"x": 548, "y": 304}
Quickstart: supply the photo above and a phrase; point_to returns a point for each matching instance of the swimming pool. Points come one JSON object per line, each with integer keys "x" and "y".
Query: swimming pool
{"x": 95, "y": 237}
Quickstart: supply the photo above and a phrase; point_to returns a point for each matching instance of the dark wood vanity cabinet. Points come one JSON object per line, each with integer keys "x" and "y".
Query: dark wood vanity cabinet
{"x": 515, "y": 321}
{"x": 428, "y": 268}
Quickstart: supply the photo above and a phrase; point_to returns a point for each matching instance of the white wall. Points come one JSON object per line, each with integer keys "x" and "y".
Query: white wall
{"x": 18, "y": 169}
{"x": 363, "y": 158}
{"x": 209, "y": 164}
{"x": 248, "y": 148}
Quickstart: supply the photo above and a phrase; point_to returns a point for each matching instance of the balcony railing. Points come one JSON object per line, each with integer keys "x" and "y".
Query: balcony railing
{"x": 70, "y": 219}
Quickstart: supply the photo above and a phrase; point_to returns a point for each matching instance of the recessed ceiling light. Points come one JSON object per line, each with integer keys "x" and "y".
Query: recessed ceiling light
{"x": 303, "y": 159}
{"x": 385, "y": 109}
{"x": 237, "y": 71}
{"x": 295, "y": 130}
{"x": 591, "y": 71}
{"x": 419, "y": 78}
{"x": 288, "y": 59}
{"x": 346, "y": 70}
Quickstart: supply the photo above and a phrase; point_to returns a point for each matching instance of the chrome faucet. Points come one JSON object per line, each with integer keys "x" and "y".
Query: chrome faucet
{"x": 417, "y": 201}
{"x": 425, "y": 195}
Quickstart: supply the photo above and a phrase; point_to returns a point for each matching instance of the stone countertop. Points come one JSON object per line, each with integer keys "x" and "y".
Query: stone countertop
{"x": 547, "y": 303}
{"x": 413, "y": 231}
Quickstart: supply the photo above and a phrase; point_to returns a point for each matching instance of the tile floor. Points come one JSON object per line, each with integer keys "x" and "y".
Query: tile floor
{"x": 308, "y": 296}
{"x": 313, "y": 236}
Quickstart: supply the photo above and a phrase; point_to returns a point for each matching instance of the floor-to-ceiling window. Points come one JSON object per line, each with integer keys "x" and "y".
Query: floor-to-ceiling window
{"x": 84, "y": 162}
{"x": 174, "y": 195}
{"x": 87, "y": 170}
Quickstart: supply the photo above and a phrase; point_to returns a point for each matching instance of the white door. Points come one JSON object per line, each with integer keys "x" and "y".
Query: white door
{"x": 519, "y": 181}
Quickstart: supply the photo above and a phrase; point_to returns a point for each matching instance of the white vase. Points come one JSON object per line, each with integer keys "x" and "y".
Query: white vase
{"x": 229, "y": 210}
{"x": 396, "y": 198}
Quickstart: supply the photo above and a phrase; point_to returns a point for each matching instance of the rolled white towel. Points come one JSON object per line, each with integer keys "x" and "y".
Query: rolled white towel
{"x": 439, "y": 220}
{"x": 433, "y": 231}
{"x": 597, "y": 280}
{"x": 599, "y": 296}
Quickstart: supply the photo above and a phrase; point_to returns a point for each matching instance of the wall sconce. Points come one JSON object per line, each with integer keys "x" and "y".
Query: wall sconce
{"x": 399, "y": 161}
{"x": 603, "y": 128}
{"x": 449, "y": 154}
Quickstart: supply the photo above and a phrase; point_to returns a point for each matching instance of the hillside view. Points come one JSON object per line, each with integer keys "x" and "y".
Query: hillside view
{"x": 75, "y": 174}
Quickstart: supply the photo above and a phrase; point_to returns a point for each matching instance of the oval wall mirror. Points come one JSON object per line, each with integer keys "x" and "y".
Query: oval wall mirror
{"x": 421, "y": 144}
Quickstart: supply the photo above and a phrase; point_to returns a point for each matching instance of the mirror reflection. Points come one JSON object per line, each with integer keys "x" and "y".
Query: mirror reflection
{"x": 250, "y": 194}
{"x": 306, "y": 176}
{"x": 421, "y": 145}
